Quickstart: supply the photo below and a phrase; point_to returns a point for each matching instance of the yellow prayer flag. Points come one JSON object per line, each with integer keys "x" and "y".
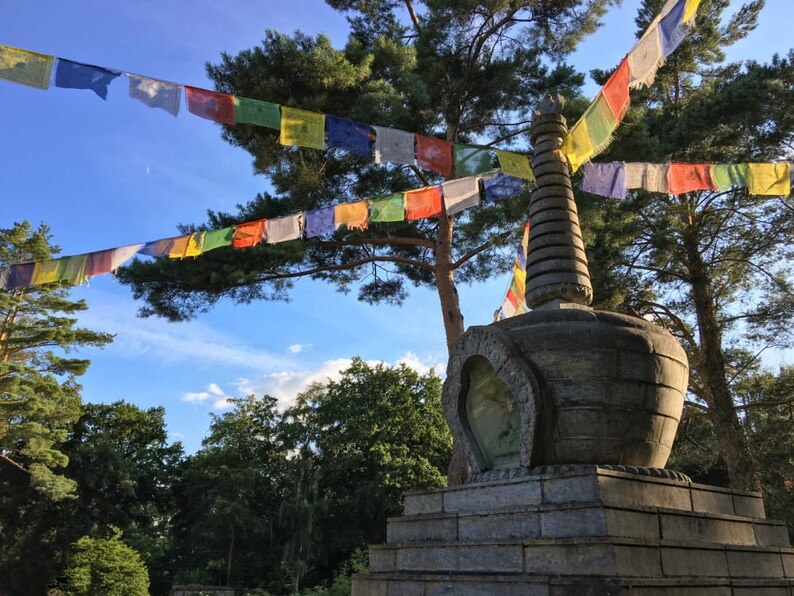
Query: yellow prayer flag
{"x": 301, "y": 127}
{"x": 26, "y": 68}
{"x": 577, "y": 146}
{"x": 178, "y": 246}
{"x": 195, "y": 244}
{"x": 46, "y": 272}
{"x": 769, "y": 179}
{"x": 515, "y": 164}
{"x": 353, "y": 215}
{"x": 690, "y": 9}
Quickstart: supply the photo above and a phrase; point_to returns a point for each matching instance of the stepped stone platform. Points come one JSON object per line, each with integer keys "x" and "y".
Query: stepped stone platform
{"x": 581, "y": 530}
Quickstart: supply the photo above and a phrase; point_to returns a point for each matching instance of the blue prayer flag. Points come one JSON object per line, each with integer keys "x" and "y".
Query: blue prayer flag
{"x": 319, "y": 222}
{"x": 502, "y": 187}
{"x": 346, "y": 134}
{"x": 74, "y": 75}
{"x": 21, "y": 276}
{"x": 672, "y": 29}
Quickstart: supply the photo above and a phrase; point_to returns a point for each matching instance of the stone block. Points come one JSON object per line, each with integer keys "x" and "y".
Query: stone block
{"x": 573, "y": 522}
{"x": 381, "y": 558}
{"x": 405, "y": 588}
{"x": 570, "y": 489}
{"x": 576, "y": 365}
{"x": 624, "y": 523}
{"x": 644, "y": 492}
{"x": 522, "y": 525}
{"x": 762, "y": 591}
{"x": 711, "y": 501}
{"x": 468, "y": 559}
{"x": 749, "y": 505}
{"x": 475, "y": 587}
{"x": 590, "y": 558}
{"x": 747, "y": 563}
{"x": 771, "y": 534}
{"x": 694, "y": 562}
{"x": 430, "y": 528}
{"x": 423, "y": 502}
{"x": 787, "y": 556}
{"x": 364, "y": 585}
{"x": 490, "y": 497}
{"x": 698, "y": 528}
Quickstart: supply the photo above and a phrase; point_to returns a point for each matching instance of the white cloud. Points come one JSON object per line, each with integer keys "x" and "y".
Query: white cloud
{"x": 298, "y": 348}
{"x": 220, "y": 401}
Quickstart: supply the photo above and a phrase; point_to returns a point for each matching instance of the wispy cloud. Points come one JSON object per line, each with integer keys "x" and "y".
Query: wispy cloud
{"x": 298, "y": 348}
{"x": 220, "y": 401}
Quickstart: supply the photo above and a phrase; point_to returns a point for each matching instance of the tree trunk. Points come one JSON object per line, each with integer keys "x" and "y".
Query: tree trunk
{"x": 710, "y": 363}
{"x": 229, "y": 559}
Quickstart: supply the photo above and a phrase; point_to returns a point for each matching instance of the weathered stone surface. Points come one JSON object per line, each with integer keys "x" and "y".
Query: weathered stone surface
{"x": 416, "y": 503}
{"x": 591, "y": 558}
{"x": 712, "y": 501}
{"x": 422, "y": 529}
{"x": 492, "y": 497}
{"x": 694, "y": 562}
{"x": 381, "y": 558}
{"x": 697, "y": 528}
{"x": 573, "y": 522}
{"x": 486, "y": 558}
{"x": 749, "y": 505}
{"x": 519, "y": 525}
{"x": 754, "y": 563}
{"x": 771, "y": 534}
{"x": 644, "y": 492}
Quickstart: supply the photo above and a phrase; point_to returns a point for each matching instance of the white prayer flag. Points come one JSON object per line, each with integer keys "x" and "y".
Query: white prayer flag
{"x": 282, "y": 229}
{"x": 395, "y": 146}
{"x": 461, "y": 194}
{"x": 156, "y": 94}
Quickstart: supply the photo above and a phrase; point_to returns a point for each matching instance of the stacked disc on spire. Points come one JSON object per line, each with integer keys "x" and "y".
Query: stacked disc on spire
{"x": 556, "y": 261}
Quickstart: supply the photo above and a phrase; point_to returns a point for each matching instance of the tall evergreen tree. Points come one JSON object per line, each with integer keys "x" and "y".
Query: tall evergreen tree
{"x": 39, "y": 393}
{"x": 715, "y": 267}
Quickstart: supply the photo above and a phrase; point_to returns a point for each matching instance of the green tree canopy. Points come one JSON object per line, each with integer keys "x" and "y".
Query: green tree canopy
{"x": 106, "y": 567}
{"x": 39, "y": 393}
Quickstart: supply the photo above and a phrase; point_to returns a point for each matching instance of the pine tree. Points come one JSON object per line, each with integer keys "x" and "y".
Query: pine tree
{"x": 39, "y": 394}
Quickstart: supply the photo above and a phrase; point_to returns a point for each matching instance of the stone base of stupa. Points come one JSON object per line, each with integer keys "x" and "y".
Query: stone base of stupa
{"x": 581, "y": 530}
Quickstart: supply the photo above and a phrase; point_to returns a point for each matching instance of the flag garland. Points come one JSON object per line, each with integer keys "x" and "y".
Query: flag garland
{"x": 296, "y": 127}
{"x": 592, "y": 134}
{"x": 515, "y": 302}
{"x": 614, "y": 179}
{"x": 407, "y": 205}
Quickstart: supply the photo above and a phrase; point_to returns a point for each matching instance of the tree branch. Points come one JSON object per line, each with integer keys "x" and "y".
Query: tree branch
{"x": 342, "y": 266}
{"x": 474, "y": 252}
{"x": 378, "y": 242}
{"x": 13, "y": 463}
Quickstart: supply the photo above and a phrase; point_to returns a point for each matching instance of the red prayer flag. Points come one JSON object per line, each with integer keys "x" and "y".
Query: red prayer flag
{"x": 99, "y": 262}
{"x": 616, "y": 90}
{"x": 688, "y": 177}
{"x": 218, "y": 107}
{"x": 424, "y": 202}
{"x": 248, "y": 234}
{"x": 434, "y": 154}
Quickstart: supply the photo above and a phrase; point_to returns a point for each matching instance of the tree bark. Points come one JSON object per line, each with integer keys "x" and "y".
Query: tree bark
{"x": 710, "y": 363}
{"x": 229, "y": 559}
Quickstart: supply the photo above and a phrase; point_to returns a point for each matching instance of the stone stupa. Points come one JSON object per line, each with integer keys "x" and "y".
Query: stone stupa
{"x": 567, "y": 416}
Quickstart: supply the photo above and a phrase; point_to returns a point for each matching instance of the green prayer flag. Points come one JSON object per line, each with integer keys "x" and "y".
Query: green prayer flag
{"x": 217, "y": 238}
{"x": 253, "y": 111}
{"x": 26, "y": 68}
{"x": 601, "y": 123}
{"x": 391, "y": 208}
{"x": 471, "y": 160}
{"x": 726, "y": 176}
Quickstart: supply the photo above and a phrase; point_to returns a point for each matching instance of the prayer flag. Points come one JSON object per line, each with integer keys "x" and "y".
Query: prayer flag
{"x": 645, "y": 59}
{"x": 156, "y": 94}
{"x": 616, "y": 90}
{"x": 218, "y": 239}
{"x": 26, "y": 68}
{"x": 75, "y": 75}
{"x": 577, "y": 146}
{"x": 393, "y": 146}
{"x": 282, "y": 229}
{"x": 434, "y": 154}
{"x": 423, "y": 202}
{"x": 21, "y": 275}
{"x": 122, "y": 254}
{"x": 769, "y": 179}
{"x": 726, "y": 176}
{"x": 159, "y": 248}
{"x": 302, "y": 128}
{"x": 98, "y": 262}
{"x": 72, "y": 269}
{"x": 320, "y": 222}
{"x": 689, "y": 177}
{"x": 460, "y": 194}
{"x": 46, "y": 272}
{"x": 248, "y": 234}
{"x": 650, "y": 176}
{"x": 515, "y": 164}
{"x": 502, "y": 187}
{"x": 349, "y": 135}
{"x": 690, "y": 10}
{"x": 601, "y": 123}
{"x": 391, "y": 208}
{"x": 195, "y": 244}
{"x": 352, "y": 215}
{"x": 217, "y": 107}
{"x": 605, "y": 179}
{"x": 471, "y": 160}
{"x": 260, "y": 113}
{"x": 178, "y": 247}
{"x": 672, "y": 28}
{"x": 515, "y": 300}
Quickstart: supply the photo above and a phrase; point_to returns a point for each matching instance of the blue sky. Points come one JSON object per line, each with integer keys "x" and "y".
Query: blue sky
{"x": 104, "y": 174}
